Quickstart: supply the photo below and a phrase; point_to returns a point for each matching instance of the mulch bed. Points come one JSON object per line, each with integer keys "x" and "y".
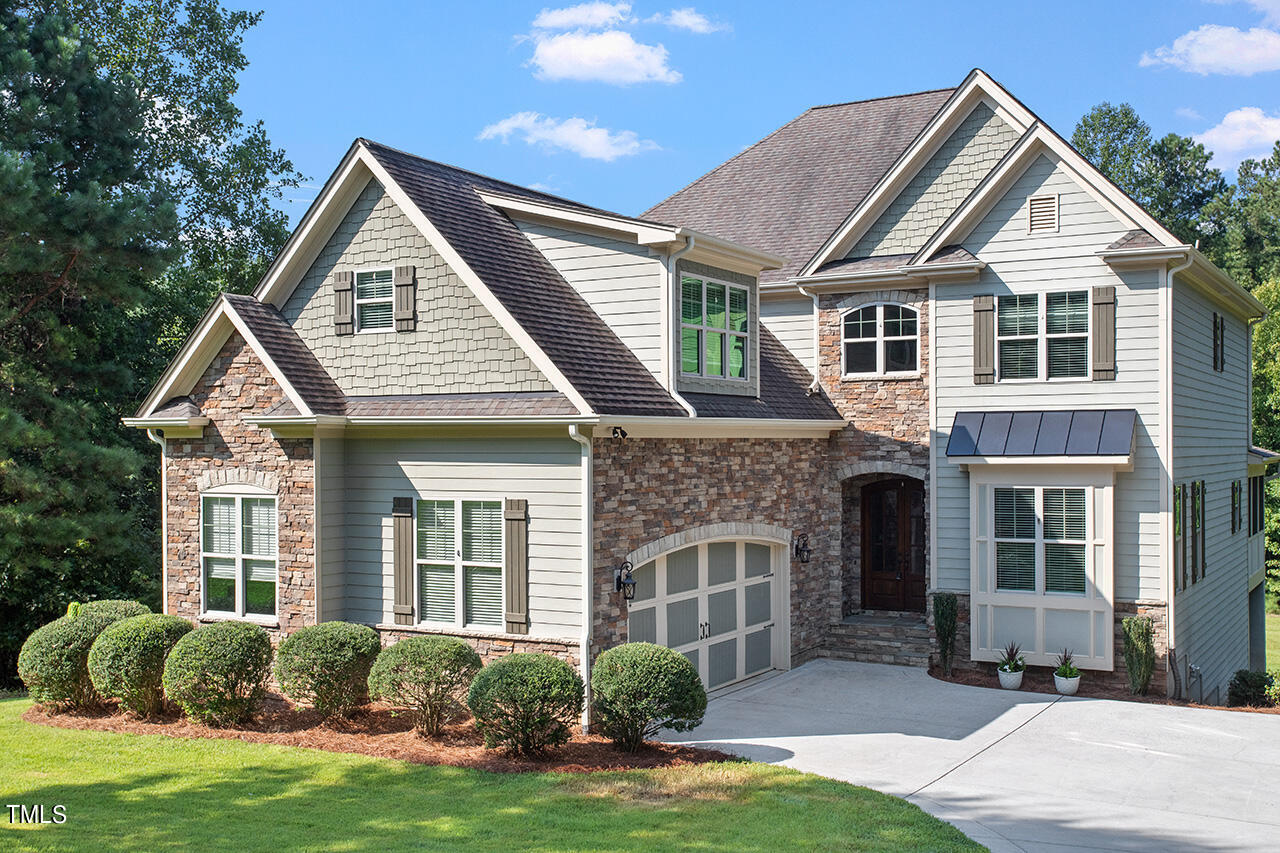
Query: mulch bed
{"x": 377, "y": 732}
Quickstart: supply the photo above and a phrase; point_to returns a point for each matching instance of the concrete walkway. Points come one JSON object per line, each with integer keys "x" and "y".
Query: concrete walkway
{"x": 1018, "y": 771}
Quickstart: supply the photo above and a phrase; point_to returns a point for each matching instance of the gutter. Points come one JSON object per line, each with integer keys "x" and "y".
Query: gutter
{"x": 588, "y": 572}
{"x": 815, "y": 385}
{"x": 155, "y": 436}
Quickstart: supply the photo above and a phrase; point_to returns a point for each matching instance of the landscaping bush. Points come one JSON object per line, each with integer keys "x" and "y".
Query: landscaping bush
{"x": 525, "y": 703}
{"x": 428, "y": 677}
{"x": 639, "y": 688}
{"x": 1251, "y": 689}
{"x": 116, "y": 608}
{"x": 54, "y": 661}
{"x": 126, "y": 661}
{"x": 326, "y": 666}
{"x": 1139, "y": 652}
{"x": 218, "y": 674}
{"x": 945, "y": 609}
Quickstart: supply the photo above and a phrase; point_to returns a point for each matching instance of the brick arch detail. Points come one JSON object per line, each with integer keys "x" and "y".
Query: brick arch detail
{"x": 266, "y": 480}
{"x": 861, "y": 469}
{"x": 721, "y": 530}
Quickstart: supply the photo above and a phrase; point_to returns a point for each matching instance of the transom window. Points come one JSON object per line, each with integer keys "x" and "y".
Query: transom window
{"x": 238, "y": 553}
{"x": 1040, "y": 538}
{"x": 881, "y": 339}
{"x": 1057, "y": 337}
{"x": 713, "y": 328}
{"x": 375, "y": 296}
{"x": 459, "y": 560}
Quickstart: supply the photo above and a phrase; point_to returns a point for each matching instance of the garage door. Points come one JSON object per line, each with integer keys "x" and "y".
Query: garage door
{"x": 717, "y": 603}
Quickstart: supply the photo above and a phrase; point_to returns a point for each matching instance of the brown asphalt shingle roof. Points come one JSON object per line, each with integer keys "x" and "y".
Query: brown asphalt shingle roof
{"x": 527, "y": 403}
{"x": 784, "y": 390}
{"x": 178, "y": 407}
{"x": 1138, "y": 238}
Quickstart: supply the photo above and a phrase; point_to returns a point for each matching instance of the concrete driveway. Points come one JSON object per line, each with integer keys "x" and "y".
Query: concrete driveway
{"x": 1018, "y": 771}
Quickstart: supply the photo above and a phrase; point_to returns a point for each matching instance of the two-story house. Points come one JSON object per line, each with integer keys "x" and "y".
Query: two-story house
{"x": 899, "y": 346}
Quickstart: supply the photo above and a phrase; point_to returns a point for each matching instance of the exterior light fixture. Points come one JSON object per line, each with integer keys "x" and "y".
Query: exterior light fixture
{"x": 619, "y": 433}
{"x": 624, "y": 582}
{"x": 803, "y": 551}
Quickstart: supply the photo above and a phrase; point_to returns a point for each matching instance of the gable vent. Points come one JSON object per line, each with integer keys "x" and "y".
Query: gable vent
{"x": 1044, "y": 214}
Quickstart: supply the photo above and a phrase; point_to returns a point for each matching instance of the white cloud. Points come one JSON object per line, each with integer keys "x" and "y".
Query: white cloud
{"x": 1269, "y": 9}
{"x": 687, "y": 18}
{"x": 576, "y": 135}
{"x": 1214, "y": 49}
{"x": 590, "y": 16}
{"x": 1187, "y": 113}
{"x": 612, "y": 56}
{"x": 1246, "y": 132}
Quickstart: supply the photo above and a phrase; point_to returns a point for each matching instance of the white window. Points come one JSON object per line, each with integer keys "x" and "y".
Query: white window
{"x": 881, "y": 340}
{"x": 238, "y": 553}
{"x": 1042, "y": 214}
{"x": 1041, "y": 539}
{"x": 459, "y": 560}
{"x": 1057, "y": 337}
{"x": 375, "y": 296}
{"x": 714, "y": 328}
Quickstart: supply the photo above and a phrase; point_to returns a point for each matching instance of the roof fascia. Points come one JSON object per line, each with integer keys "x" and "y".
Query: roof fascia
{"x": 1221, "y": 288}
{"x": 1119, "y": 463}
{"x": 173, "y": 427}
{"x": 644, "y": 233}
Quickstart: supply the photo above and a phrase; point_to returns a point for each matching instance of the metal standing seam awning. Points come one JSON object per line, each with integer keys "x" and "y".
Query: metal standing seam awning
{"x": 1073, "y": 435}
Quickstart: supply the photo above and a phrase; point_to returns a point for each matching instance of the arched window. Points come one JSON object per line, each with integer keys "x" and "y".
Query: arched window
{"x": 881, "y": 340}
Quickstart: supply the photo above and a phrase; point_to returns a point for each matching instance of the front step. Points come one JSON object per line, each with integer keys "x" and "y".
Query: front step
{"x": 880, "y": 637}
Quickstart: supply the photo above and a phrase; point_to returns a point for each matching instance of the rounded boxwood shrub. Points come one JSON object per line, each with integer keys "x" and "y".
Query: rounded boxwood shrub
{"x": 127, "y": 660}
{"x": 54, "y": 661}
{"x": 1251, "y": 689}
{"x": 639, "y": 688}
{"x": 525, "y": 703}
{"x": 116, "y": 608}
{"x": 326, "y": 666}
{"x": 218, "y": 673}
{"x": 427, "y": 676}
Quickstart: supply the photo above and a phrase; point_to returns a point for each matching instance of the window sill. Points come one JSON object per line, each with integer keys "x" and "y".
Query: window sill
{"x": 881, "y": 377}
{"x": 264, "y": 621}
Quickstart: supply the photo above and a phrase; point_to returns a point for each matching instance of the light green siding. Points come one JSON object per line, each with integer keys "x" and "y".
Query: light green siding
{"x": 330, "y": 500}
{"x": 711, "y": 385}
{"x": 791, "y": 321}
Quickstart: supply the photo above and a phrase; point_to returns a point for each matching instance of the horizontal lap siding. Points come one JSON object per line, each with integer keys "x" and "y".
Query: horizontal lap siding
{"x": 1021, "y": 263}
{"x": 331, "y": 489}
{"x": 791, "y": 321}
{"x": 1210, "y": 434}
{"x": 543, "y": 471}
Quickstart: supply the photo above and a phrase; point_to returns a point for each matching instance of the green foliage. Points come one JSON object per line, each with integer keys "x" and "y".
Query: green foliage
{"x": 526, "y": 703}
{"x": 54, "y": 661}
{"x": 640, "y": 688}
{"x": 1116, "y": 140}
{"x": 326, "y": 666}
{"x": 1251, "y": 248}
{"x": 1251, "y": 689}
{"x": 116, "y": 608}
{"x": 1139, "y": 652}
{"x": 218, "y": 673}
{"x": 1011, "y": 659}
{"x": 126, "y": 662}
{"x": 1065, "y": 666}
{"x": 428, "y": 677}
{"x": 945, "y": 614}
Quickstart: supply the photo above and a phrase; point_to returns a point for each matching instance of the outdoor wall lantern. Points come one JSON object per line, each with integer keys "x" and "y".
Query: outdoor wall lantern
{"x": 803, "y": 551}
{"x": 619, "y": 433}
{"x": 624, "y": 582}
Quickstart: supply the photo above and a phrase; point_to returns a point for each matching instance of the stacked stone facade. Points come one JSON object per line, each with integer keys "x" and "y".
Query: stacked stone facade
{"x": 490, "y": 647}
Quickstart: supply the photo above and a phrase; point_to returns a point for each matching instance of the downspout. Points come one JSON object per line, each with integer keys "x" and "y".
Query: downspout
{"x": 1170, "y": 272}
{"x": 155, "y": 436}
{"x": 588, "y": 571}
{"x": 817, "y": 316}
{"x": 672, "y": 372}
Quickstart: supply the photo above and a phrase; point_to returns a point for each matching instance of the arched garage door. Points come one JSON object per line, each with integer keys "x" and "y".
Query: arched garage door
{"x": 718, "y": 603}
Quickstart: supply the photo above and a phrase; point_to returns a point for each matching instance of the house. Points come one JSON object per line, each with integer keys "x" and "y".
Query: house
{"x": 897, "y": 347}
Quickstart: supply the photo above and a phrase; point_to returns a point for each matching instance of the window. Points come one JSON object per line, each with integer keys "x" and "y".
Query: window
{"x": 1059, "y": 338}
{"x": 375, "y": 294}
{"x": 881, "y": 339}
{"x": 1219, "y": 342}
{"x": 713, "y": 329}
{"x": 238, "y": 553}
{"x": 1040, "y": 539}
{"x": 1179, "y": 537}
{"x": 1017, "y": 325}
{"x": 1067, "y": 334}
{"x": 1189, "y": 502}
{"x": 1042, "y": 214}
{"x": 1257, "y": 496}
{"x": 459, "y": 559}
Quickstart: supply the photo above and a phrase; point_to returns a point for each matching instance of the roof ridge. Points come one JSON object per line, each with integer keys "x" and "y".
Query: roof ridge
{"x": 883, "y": 98}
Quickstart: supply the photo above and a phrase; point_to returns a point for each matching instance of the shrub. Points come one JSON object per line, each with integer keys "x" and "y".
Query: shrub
{"x": 115, "y": 608}
{"x": 525, "y": 703}
{"x": 54, "y": 661}
{"x": 1252, "y": 689}
{"x": 427, "y": 676}
{"x": 639, "y": 688}
{"x": 127, "y": 660}
{"x": 945, "y": 607}
{"x": 1139, "y": 652}
{"x": 218, "y": 673}
{"x": 326, "y": 666}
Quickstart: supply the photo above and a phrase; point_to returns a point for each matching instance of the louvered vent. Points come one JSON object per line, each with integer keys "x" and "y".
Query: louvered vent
{"x": 1044, "y": 213}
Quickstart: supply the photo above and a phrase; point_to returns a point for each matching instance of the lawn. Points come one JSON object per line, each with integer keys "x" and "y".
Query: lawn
{"x": 1273, "y": 641}
{"x": 152, "y": 792}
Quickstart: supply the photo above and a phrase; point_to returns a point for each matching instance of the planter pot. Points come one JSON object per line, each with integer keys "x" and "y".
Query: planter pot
{"x": 1066, "y": 686}
{"x": 1010, "y": 680}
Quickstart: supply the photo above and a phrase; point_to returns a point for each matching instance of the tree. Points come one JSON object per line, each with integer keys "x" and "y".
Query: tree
{"x": 1251, "y": 246}
{"x": 83, "y": 225}
{"x": 1117, "y": 141}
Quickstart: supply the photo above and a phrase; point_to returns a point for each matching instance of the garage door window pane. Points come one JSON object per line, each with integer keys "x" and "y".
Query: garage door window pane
{"x": 722, "y": 663}
{"x": 682, "y": 622}
{"x": 682, "y": 570}
{"x": 722, "y": 612}
{"x": 722, "y": 562}
{"x": 759, "y": 650}
{"x": 759, "y": 560}
{"x": 759, "y": 603}
{"x": 643, "y": 626}
{"x": 645, "y": 578}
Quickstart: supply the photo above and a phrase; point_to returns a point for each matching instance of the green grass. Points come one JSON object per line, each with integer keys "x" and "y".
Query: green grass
{"x": 1273, "y": 641}
{"x": 130, "y": 792}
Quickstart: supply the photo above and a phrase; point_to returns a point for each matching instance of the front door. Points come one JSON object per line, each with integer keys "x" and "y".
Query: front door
{"x": 893, "y": 575}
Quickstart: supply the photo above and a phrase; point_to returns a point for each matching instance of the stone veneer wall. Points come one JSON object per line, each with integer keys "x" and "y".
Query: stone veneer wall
{"x": 490, "y": 647}
{"x": 234, "y": 385}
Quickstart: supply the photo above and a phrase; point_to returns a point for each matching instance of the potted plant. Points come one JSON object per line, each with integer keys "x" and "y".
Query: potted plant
{"x": 1067, "y": 676}
{"x": 1011, "y": 667}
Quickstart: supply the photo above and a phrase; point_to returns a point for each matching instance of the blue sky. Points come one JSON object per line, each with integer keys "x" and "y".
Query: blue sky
{"x": 619, "y": 104}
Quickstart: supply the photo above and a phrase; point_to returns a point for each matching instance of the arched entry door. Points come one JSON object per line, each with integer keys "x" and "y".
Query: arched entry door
{"x": 893, "y": 566}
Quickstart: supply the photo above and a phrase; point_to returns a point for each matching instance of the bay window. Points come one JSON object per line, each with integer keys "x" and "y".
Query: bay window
{"x": 238, "y": 553}
{"x": 459, "y": 562}
{"x": 1040, "y": 539}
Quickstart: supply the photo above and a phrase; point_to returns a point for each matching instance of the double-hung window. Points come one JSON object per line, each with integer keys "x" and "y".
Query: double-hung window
{"x": 714, "y": 326}
{"x": 238, "y": 554}
{"x": 1040, "y": 539}
{"x": 1257, "y": 495}
{"x": 880, "y": 340}
{"x": 375, "y": 296}
{"x": 459, "y": 560}
{"x": 1057, "y": 338}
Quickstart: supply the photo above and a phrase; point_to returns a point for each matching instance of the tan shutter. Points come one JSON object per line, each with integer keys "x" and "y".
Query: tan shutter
{"x": 1104, "y": 333}
{"x": 344, "y": 302}
{"x": 984, "y": 340}
{"x": 515, "y": 564}
{"x": 402, "y": 554}
{"x": 406, "y": 299}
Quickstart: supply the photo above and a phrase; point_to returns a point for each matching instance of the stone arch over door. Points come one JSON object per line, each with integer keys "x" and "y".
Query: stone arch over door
{"x": 722, "y": 530}
{"x": 853, "y": 477}
{"x": 879, "y": 466}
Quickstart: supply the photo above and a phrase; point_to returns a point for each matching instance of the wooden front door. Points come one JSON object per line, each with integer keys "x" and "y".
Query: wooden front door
{"x": 893, "y": 573}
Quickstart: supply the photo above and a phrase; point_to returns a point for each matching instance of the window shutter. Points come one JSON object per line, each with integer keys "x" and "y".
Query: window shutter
{"x": 344, "y": 302}
{"x": 1104, "y": 333}
{"x": 1204, "y": 559}
{"x": 406, "y": 299}
{"x": 984, "y": 340}
{"x": 516, "y": 565}
{"x": 402, "y": 554}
